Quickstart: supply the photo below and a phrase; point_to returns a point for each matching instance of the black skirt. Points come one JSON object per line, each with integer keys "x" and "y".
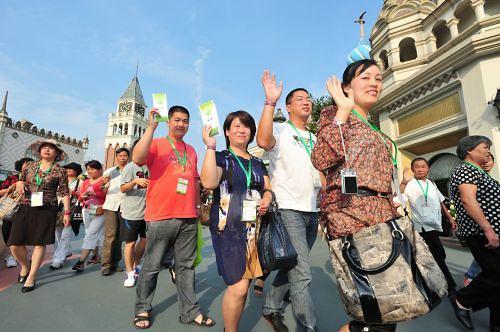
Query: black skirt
{"x": 34, "y": 226}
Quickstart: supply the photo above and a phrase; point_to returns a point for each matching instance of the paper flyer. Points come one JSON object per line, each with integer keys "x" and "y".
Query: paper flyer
{"x": 209, "y": 117}
{"x": 160, "y": 103}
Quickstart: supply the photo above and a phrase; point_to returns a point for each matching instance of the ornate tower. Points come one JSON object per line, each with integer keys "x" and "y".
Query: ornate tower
{"x": 127, "y": 124}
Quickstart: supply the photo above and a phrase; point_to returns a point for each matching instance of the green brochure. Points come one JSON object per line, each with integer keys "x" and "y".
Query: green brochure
{"x": 160, "y": 103}
{"x": 209, "y": 117}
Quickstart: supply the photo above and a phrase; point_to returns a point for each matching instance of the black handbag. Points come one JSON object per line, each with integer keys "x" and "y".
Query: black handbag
{"x": 76, "y": 218}
{"x": 274, "y": 247}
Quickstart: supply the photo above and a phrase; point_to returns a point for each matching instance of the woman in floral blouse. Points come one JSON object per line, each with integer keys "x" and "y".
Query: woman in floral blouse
{"x": 40, "y": 183}
{"x": 366, "y": 151}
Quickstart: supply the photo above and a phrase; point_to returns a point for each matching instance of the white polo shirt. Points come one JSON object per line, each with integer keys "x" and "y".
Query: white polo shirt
{"x": 114, "y": 196}
{"x": 425, "y": 215}
{"x": 294, "y": 179}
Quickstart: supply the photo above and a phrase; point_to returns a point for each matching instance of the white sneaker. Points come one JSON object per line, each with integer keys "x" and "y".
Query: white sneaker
{"x": 130, "y": 279}
{"x": 10, "y": 261}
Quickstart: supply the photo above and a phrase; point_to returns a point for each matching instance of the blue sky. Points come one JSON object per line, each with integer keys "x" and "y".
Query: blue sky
{"x": 65, "y": 63}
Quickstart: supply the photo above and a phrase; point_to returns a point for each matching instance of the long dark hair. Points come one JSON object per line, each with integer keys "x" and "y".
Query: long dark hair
{"x": 245, "y": 118}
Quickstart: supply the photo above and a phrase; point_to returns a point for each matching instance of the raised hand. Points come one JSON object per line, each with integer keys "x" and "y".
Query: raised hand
{"x": 344, "y": 104}
{"x": 151, "y": 119}
{"x": 407, "y": 177}
{"x": 271, "y": 89}
{"x": 207, "y": 139}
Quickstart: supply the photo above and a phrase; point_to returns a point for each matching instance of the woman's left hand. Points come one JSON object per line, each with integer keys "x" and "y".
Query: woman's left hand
{"x": 66, "y": 220}
{"x": 263, "y": 206}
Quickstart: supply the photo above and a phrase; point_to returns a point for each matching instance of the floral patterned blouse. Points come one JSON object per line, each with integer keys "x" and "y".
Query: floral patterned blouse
{"x": 368, "y": 155}
{"x": 54, "y": 184}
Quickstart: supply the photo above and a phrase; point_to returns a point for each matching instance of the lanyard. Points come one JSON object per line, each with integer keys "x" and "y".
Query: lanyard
{"x": 379, "y": 133}
{"x": 426, "y": 191}
{"x": 308, "y": 147}
{"x": 182, "y": 160}
{"x": 477, "y": 167}
{"x": 248, "y": 173}
{"x": 38, "y": 178}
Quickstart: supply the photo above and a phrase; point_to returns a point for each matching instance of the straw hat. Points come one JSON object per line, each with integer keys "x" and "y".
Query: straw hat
{"x": 37, "y": 146}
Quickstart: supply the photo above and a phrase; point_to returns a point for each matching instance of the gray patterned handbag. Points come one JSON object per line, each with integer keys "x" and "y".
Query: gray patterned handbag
{"x": 9, "y": 203}
{"x": 386, "y": 273}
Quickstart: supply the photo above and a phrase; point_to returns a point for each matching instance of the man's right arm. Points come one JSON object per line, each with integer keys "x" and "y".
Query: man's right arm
{"x": 141, "y": 149}
{"x": 265, "y": 137}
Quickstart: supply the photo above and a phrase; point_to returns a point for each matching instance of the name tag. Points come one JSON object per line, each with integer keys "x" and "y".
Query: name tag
{"x": 249, "y": 210}
{"x": 182, "y": 186}
{"x": 427, "y": 211}
{"x": 37, "y": 199}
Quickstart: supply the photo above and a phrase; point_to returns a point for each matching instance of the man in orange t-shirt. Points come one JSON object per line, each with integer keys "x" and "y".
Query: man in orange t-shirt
{"x": 172, "y": 206}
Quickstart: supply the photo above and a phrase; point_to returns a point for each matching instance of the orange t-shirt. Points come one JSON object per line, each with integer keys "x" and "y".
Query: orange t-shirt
{"x": 162, "y": 199}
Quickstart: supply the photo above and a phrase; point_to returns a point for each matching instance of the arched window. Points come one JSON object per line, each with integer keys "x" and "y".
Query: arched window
{"x": 442, "y": 33}
{"x": 115, "y": 127}
{"x": 384, "y": 59}
{"x": 120, "y": 129}
{"x": 465, "y": 15}
{"x": 492, "y": 7}
{"x": 407, "y": 50}
{"x": 125, "y": 129}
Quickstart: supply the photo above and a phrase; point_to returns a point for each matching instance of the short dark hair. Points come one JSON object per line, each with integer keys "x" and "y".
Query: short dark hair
{"x": 245, "y": 118}
{"x": 120, "y": 150}
{"x": 468, "y": 143}
{"x": 18, "y": 165}
{"x": 177, "y": 108}
{"x": 354, "y": 70}
{"x": 289, "y": 96}
{"x": 95, "y": 164}
{"x": 419, "y": 159}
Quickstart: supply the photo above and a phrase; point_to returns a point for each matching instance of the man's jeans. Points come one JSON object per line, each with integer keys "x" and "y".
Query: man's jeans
{"x": 302, "y": 228}
{"x": 161, "y": 236}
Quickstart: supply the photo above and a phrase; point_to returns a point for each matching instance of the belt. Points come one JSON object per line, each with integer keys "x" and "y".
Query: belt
{"x": 364, "y": 192}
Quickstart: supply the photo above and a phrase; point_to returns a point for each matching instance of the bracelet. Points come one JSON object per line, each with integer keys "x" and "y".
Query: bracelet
{"x": 211, "y": 147}
{"x": 270, "y": 103}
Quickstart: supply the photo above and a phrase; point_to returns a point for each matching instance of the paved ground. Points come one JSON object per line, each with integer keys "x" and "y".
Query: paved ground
{"x": 66, "y": 301}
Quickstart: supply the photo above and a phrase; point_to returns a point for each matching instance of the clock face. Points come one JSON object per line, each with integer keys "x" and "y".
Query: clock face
{"x": 124, "y": 107}
{"x": 139, "y": 109}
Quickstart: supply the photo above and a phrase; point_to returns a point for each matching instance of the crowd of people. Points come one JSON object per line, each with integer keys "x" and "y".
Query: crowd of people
{"x": 151, "y": 201}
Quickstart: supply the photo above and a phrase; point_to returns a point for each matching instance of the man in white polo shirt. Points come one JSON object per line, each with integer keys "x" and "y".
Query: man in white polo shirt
{"x": 426, "y": 203}
{"x": 296, "y": 184}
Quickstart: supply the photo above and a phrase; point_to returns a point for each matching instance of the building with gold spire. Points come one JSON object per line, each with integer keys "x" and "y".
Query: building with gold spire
{"x": 441, "y": 72}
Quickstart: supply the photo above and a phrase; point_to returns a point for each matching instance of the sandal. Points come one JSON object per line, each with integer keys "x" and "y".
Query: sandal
{"x": 258, "y": 290}
{"x": 139, "y": 318}
{"x": 204, "y": 322}
{"x": 94, "y": 260}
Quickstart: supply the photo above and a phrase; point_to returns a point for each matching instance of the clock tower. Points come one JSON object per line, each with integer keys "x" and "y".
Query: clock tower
{"x": 127, "y": 124}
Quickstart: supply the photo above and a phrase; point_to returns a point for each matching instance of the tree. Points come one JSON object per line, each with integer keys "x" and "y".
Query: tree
{"x": 318, "y": 105}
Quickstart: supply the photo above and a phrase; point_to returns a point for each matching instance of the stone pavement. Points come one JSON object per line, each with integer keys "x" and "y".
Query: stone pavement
{"x": 87, "y": 301}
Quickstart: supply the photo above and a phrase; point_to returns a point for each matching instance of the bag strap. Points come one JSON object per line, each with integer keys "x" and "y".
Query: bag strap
{"x": 395, "y": 182}
{"x": 349, "y": 249}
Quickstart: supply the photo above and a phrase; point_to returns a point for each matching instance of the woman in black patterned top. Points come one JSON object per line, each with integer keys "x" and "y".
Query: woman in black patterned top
{"x": 477, "y": 201}
{"x": 41, "y": 183}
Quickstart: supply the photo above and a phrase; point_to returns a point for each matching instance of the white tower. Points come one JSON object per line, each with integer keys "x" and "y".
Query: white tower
{"x": 128, "y": 122}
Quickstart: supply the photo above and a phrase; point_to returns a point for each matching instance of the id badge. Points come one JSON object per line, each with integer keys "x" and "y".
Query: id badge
{"x": 249, "y": 210}
{"x": 182, "y": 186}
{"x": 37, "y": 199}
{"x": 349, "y": 181}
{"x": 427, "y": 211}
